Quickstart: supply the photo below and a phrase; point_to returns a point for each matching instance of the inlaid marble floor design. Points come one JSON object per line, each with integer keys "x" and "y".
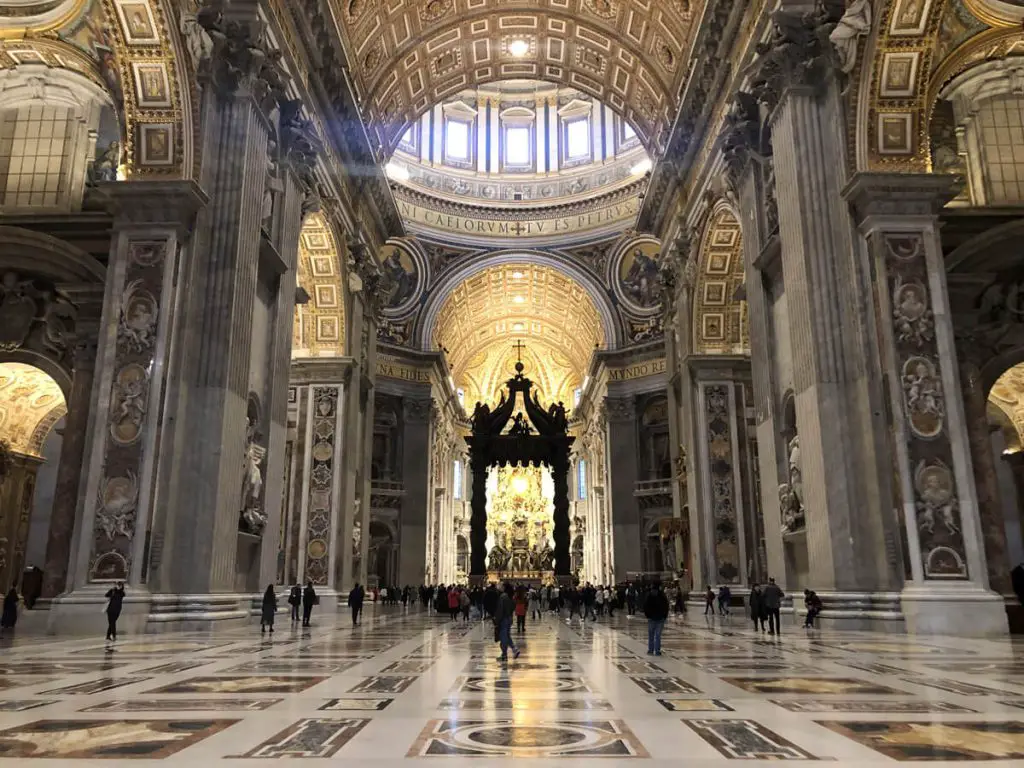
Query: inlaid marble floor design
{"x": 409, "y": 687}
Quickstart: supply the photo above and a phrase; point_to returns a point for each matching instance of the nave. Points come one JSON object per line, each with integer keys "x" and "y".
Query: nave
{"x": 414, "y": 687}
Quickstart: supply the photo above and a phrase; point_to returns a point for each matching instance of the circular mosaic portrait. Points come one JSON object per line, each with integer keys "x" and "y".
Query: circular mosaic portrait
{"x": 634, "y": 275}
{"x": 406, "y": 271}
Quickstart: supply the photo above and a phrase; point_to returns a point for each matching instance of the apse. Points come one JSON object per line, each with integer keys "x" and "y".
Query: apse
{"x": 553, "y": 316}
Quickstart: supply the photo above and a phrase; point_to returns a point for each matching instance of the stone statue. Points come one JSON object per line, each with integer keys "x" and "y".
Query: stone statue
{"x": 520, "y": 426}
{"x": 499, "y": 556}
{"x": 253, "y": 519}
{"x": 197, "y": 39}
{"x": 544, "y": 557}
{"x": 856, "y": 22}
{"x": 796, "y": 482}
{"x": 104, "y": 167}
{"x": 789, "y": 508}
{"x": 481, "y": 418}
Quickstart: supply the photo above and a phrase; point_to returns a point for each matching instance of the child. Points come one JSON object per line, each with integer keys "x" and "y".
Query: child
{"x": 521, "y": 611}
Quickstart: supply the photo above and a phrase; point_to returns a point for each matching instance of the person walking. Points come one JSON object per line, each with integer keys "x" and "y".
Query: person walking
{"x": 656, "y": 611}
{"x": 10, "y": 613}
{"x": 773, "y": 596}
{"x": 630, "y": 599}
{"x": 453, "y": 604}
{"x": 521, "y": 601}
{"x": 609, "y": 602}
{"x": 268, "y": 609}
{"x": 599, "y": 602}
{"x": 309, "y": 599}
{"x": 534, "y": 600}
{"x": 464, "y": 603}
{"x": 724, "y": 597}
{"x": 709, "y": 601}
{"x": 813, "y": 605}
{"x": 757, "y": 610}
{"x": 115, "y": 599}
{"x": 295, "y": 600}
{"x": 355, "y": 602}
{"x": 503, "y": 624}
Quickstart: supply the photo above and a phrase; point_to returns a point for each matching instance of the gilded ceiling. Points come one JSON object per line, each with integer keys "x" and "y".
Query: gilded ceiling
{"x": 407, "y": 55}
{"x": 490, "y": 311}
{"x": 30, "y": 404}
{"x": 1008, "y": 396}
{"x": 319, "y": 329}
{"x": 720, "y": 321}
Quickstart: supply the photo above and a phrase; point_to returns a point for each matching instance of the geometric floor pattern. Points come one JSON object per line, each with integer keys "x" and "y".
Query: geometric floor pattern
{"x": 409, "y": 688}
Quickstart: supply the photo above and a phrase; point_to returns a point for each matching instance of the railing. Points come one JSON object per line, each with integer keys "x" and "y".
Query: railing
{"x": 388, "y": 487}
{"x": 653, "y": 487}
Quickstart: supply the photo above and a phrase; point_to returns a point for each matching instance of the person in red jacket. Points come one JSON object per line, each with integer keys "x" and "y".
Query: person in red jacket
{"x": 521, "y": 604}
{"x": 453, "y": 603}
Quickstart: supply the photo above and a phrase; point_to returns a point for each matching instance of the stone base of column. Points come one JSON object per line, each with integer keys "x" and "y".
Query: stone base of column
{"x": 857, "y": 611}
{"x": 953, "y": 609}
{"x": 82, "y": 612}
{"x": 184, "y": 613}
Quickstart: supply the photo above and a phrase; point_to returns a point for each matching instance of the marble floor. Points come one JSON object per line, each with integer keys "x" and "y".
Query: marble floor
{"x": 409, "y": 687}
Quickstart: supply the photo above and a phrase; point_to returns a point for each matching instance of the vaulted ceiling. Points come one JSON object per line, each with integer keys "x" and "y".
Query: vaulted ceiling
{"x": 490, "y": 311}
{"x": 407, "y": 55}
{"x": 30, "y": 404}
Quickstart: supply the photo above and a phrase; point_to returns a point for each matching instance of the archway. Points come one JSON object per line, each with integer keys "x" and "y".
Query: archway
{"x": 538, "y": 438}
{"x": 31, "y": 404}
{"x": 477, "y": 320}
{"x": 381, "y": 561}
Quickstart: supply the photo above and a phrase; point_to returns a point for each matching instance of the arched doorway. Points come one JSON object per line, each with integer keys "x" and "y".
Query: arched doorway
{"x": 31, "y": 405}
{"x": 380, "y": 564}
{"x": 461, "y": 558}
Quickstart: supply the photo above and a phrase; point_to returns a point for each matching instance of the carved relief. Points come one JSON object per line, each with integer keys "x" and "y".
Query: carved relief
{"x": 922, "y": 390}
{"x": 720, "y": 462}
{"x": 912, "y": 318}
{"x": 34, "y": 316}
{"x": 324, "y": 401}
{"x": 138, "y": 329}
{"x": 128, "y": 403}
{"x": 943, "y": 554}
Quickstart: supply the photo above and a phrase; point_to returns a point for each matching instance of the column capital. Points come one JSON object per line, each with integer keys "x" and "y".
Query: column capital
{"x": 417, "y": 411}
{"x": 620, "y": 408}
{"x": 798, "y": 55}
{"x": 135, "y": 204}
{"x": 900, "y": 194}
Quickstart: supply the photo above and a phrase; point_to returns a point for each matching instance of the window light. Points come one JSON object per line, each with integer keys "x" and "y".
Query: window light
{"x": 519, "y": 48}
{"x": 457, "y": 140}
{"x": 517, "y": 145}
{"x": 578, "y": 138}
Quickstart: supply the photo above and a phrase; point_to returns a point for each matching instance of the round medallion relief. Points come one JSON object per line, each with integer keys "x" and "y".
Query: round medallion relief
{"x": 316, "y": 549}
{"x": 633, "y": 275}
{"x": 406, "y": 272}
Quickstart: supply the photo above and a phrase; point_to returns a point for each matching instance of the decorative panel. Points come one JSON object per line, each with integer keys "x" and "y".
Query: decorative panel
{"x": 131, "y": 402}
{"x": 722, "y": 468}
{"x": 322, "y": 465}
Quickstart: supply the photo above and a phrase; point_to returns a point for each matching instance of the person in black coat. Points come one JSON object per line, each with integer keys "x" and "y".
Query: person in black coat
{"x": 10, "y": 613}
{"x": 355, "y": 602}
{"x": 268, "y": 609}
{"x": 295, "y": 600}
{"x": 656, "y": 611}
{"x": 758, "y": 614}
{"x": 115, "y": 599}
{"x": 309, "y": 599}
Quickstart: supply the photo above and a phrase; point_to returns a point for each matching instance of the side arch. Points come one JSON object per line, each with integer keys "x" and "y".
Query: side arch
{"x": 319, "y": 327}
{"x": 720, "y": 322}
{"x": 440, "y": 291}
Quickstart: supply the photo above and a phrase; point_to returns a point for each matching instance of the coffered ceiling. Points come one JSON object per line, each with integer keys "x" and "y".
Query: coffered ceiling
{"x": 407, "y": 55}
{"x": 550, "y": 313}
{"x": 30, "y": 404}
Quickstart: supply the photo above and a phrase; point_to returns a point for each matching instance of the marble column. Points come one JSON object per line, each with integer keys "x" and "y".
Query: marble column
{"x": 948, "y": 591}
{"x": 416, "y": 481}
{"x": 838, "y": 403}
{"x": 986, "y": 483}
{"x": 69, "y": 473}
{"x": 1016, "y": 464}
{"x": 321, "y": 484}
{"x": 624, "y": 471}
{"x": 720, "y": 499}
{"x": 17, "y": 496}
{"x": 351, "y": 490}
{"x": 258, "y": 154}
{"x": 128, "y": 416}
{"x": 130, "y": 393}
